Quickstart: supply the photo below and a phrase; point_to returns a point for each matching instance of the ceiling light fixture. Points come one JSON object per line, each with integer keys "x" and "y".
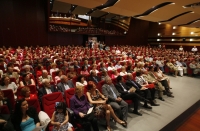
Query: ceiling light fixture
{"x": 173, "y": 40}
{"x": 191, "y": 39}
{"x": 159, "y": 23}
{"x": 173, "y": 33}
{"x": 105, "y": 8}
{"x": 158, "y": 34}
{"x": 153, "y": 11}
{"x": 191, "y": 33}
{"x": 117, "y": 1}
{"x": 174, "y": 27}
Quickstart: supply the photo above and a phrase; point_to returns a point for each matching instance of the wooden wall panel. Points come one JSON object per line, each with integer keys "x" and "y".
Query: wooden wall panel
{"x": 7, "y": 21}
{"x": 25, "y": 23}
{"x": 136, "y": 35}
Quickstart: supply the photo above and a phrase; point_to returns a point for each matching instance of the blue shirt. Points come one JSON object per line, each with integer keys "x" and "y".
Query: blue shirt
{"x": 28, "y": 125}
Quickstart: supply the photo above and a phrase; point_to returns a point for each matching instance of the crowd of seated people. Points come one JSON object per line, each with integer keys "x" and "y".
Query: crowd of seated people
{"x": 121, "y": 74}
{"x": 98, "y": 31}
{"x": 58, "y": 28}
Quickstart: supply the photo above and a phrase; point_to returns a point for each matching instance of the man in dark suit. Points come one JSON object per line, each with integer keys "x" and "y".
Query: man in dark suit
{"x": 46, "y": 89}
{"x": 64, "y": 84}
{"x": 139, "y": 89}
{"x": 76, "y": 65}
{"x": 128, "y": 93}
{"x": 114, "y": 99}
{"x": 103, "y": 67}
{"x": 93, "y": 77}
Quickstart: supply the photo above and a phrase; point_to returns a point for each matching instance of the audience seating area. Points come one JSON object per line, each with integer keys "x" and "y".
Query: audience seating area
{"x": 65, "y": 56}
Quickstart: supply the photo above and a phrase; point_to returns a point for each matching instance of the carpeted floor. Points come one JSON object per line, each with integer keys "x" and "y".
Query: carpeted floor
{"x": 186, "y": 91}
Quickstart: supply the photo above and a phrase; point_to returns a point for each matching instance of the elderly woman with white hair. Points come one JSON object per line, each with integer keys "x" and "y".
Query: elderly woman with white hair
{"x": 80, "y": 105}
{"x": 27, "y": 70}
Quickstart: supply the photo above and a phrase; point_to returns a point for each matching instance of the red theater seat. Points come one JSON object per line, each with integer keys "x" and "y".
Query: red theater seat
{"x": 4, "y": 109}
{"x": 68, "y": 94}
{"x": 48, "y": 102}
{"x": 35, "y": 103}
{"x": 9, "y": 94}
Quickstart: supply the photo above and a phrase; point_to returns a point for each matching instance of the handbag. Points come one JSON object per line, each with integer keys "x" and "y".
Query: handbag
{"x": 89, "y": 116}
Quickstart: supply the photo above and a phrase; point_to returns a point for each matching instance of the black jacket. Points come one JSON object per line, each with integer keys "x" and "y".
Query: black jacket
{"x": 120, "y": 88}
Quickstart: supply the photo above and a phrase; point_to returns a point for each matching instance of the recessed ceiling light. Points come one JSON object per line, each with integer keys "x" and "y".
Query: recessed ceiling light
{"x": 191, "y": 39}
{"x": 158, "y": 39}
{"x": 174, "y": 27}
{"x": 159, "y": 23}
{"x": 191, "y": 33}
{"x": 173, "y": 39}
{"x": 173, "y": 33}
{"x": 117, "y": 1}
{"x": 158, "y": 34}
{"x": 105, "y": 8}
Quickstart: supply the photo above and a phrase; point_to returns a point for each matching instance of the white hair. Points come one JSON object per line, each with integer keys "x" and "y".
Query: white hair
{"x": 45, "y": 80}
{"x": 128, "y": 75}
{"x": 27, "y": 66}
{"x": 44, "y": 71}
{"x": 62, "y": 77}
{"x": 107, "y": 78}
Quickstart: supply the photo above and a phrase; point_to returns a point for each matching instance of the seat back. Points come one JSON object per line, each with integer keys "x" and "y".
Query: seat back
{"x": 74, "y": 80}
{"x": 35, "y": 103}
{"x": 33, "y": 89}
{"x": 110, "y": 72}
{"x": 134, "y": 75}
{"x": 99, "y": 85}
{"x": 12, "y": 79}
{"x": 9, "y": 94}
{"x": 4, "y": 109}
{"x": 48, "y": 102}
{"x": 114, "y": 81}
{"x": 68, "y": 94}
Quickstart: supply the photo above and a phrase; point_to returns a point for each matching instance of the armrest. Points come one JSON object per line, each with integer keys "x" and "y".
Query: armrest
{"x": 71, "y": 113}
{"x": 91, "y": 105}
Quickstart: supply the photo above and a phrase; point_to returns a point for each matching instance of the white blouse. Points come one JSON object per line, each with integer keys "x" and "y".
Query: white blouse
{"x": 81, "y": 84}
{"x": 123, "y": 73}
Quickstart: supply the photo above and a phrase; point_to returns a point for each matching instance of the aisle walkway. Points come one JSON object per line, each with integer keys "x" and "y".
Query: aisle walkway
{"x": 186, "y": 91}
